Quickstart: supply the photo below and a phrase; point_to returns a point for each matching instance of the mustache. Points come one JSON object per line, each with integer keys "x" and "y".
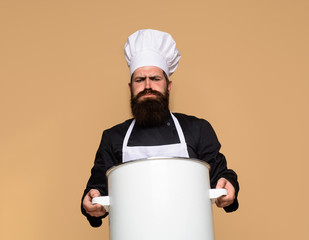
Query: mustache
{"x": 148, "y": 91}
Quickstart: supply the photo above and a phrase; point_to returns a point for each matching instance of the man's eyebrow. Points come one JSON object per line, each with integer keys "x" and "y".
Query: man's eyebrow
{"x": 143, "y": 77}
{"x": 155, "y": 76}
{"x": 139, "y": 76}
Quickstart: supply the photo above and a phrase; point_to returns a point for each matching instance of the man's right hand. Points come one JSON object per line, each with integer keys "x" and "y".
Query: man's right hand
{"x": 95, "y": 210}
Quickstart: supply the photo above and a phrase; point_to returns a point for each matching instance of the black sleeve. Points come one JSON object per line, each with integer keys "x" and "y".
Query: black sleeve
{"x": 104, "y": 160}
{"x": 208, "y": 150}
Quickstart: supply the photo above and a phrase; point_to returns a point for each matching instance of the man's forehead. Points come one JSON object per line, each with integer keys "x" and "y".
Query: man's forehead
{"x": 148, "y": 71}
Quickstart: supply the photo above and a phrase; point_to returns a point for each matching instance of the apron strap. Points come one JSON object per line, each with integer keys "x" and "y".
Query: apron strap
{"x": 128, "y": 134}
{"x": 179, "y": 130}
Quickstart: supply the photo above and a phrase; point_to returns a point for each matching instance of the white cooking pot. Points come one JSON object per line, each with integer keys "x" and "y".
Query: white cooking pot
{"x": 160, "y": 199}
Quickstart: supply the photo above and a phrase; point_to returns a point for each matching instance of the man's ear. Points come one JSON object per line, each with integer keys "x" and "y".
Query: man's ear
{"x": 169, "y": 86}
{"x": 129, "y": 84}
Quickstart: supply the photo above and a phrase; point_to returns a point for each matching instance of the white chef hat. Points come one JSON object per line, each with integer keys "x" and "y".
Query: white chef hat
{"x": 149, "y": 47}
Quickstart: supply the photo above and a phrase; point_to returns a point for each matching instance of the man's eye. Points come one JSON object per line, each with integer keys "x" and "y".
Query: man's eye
{"x": 138, "y": 80}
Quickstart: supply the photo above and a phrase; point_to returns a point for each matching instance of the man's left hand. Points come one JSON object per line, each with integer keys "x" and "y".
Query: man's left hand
{"x": 228, "y": 199}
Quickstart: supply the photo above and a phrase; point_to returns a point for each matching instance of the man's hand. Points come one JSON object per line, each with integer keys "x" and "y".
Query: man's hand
{"x": 227, "y": 200}
{"x": 95, "y": 210}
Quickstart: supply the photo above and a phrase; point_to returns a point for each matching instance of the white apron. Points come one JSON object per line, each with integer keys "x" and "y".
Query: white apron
{"x": 142, "y": 152}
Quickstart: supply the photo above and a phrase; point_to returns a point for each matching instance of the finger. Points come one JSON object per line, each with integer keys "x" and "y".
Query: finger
{"x": 97, "y": 211}
{"x": 228, "y": 199}
{"x": 221, "y": 183}
{"x": 224, "y": 183}
{"x": 225, "y": 201}
{"x": 93, "y": 207}
{"x": 220, "y": 202}
{"x": 230, "y": 191}
{"x": 87, "y": 202}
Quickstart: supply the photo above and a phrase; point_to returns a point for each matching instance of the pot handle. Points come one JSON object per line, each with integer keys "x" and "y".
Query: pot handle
{"x": 104, "y": 201}
{"x": 216, "y": 193}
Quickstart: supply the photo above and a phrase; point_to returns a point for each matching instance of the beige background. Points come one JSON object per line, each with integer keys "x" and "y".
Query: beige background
{"x": 63, "y": 76}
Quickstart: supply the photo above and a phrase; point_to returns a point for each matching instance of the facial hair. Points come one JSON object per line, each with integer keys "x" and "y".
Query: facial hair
{"x": 152, "y": 111}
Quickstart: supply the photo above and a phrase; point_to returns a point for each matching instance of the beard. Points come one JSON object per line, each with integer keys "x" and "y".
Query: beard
{"x": 151, "y": 111}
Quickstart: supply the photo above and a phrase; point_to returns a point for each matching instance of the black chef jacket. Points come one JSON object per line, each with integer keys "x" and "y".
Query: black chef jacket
{"x": 202, "y": 144}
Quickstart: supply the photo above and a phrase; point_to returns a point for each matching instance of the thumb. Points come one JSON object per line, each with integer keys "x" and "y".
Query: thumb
{"x": 221, "y": 183}
{"x": 94, "y": 193}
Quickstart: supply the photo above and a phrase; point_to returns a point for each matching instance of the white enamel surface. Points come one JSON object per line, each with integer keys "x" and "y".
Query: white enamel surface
{"x": 162, "y": 199}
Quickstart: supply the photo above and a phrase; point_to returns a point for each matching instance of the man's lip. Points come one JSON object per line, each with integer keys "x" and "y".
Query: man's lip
{"x": 148, "y": 95}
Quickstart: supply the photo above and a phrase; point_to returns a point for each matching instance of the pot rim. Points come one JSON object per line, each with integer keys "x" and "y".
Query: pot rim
{"x": 157, "y": 159}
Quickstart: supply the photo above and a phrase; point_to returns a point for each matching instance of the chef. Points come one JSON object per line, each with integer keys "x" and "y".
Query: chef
{"x": 154, "y": 131}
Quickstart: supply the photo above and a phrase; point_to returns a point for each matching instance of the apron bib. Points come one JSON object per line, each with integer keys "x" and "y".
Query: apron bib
{"x": 142, "y": 152}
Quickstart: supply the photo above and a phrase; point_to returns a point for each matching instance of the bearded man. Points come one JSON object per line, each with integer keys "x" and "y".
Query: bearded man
{"x": 154, "y": 131}
{"x": 150, "y": 96}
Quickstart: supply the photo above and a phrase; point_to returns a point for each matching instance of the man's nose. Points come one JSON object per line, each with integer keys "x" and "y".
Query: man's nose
{"x": 147, "y": 83}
